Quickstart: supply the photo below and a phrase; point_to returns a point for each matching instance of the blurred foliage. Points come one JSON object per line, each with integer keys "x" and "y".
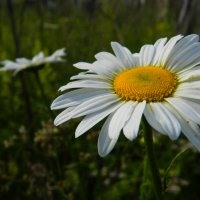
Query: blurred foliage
{"x": 40, "y": 161}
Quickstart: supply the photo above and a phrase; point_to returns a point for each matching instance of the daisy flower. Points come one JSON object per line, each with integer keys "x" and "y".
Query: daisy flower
{"x": 161, "y": 83}
{"x": 38, "y": 60}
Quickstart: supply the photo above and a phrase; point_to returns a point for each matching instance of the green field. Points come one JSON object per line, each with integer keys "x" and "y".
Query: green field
{"x": 39, "y": 161}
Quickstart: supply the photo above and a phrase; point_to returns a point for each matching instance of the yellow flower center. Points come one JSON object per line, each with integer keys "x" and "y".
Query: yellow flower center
{"x": 145, "y": 83}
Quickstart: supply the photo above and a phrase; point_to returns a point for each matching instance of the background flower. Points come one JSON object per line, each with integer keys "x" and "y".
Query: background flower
{"x": 38, "y": 60}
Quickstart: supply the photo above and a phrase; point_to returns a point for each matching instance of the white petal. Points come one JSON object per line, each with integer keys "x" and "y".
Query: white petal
{"x": 167, "y": 120}
{"x": 132, "y": 126}
{"x": 53, "y": 59}
{"x": 83, "y": 65}
{"x": 105, "y": 143}
{"x": 146, "y": 55}
{"x": 188, "y": 93}
{"x": 86, "y": 76}
{"x": 150, "y": 117}
{"x": 56, "y": 56}
{"x": 190, "y": 75}
{"x": 63, "y": 116}
{"x": 192, "y": 132}
{"x": 120, "y": 117}
{"x": 184, "y": 43}
{"x": 182, "y": 46}
{"x": 123, "y": 54}
{"x": 86, "y": 84}
{"x": 187, "y": 60}
{"x": 159, "y": 44}
{"x": 76, "y": 97}
{"x": 90, "y": 120}
{"x": 190, "y": 129}
{"x": 167, "y": 49}
{"x": 189, "y": 85}
{"x": 5, "y": 62}
{"x": 9, "y": 65}
{"x": 187, "y": 108}
{"x": 110, "y": 57}
{"x": 38, "y": 57}
{"x": 132, "y": 60}
{"x": 136, "y": 57}
{"x": 23, "y": 61}
{"x": 59, "y": 53}
{"x": 105, "y": 68}
{"x": 94, "y": 104}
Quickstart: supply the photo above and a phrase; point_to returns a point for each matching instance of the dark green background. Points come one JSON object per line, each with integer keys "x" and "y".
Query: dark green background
{"x": 39, "y": 161}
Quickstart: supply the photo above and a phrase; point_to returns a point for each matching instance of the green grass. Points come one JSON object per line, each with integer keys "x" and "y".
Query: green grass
{"x": 40, "y": 161}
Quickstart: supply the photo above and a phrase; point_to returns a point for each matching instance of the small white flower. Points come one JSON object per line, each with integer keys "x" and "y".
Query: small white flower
{"x": 161, "y": 82}
{"x": 38, "y": 60}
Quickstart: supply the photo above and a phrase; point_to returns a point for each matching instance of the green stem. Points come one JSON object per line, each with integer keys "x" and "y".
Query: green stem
{"x": 148, "y": 138}
{"x": 37, "y": 77}
{"x": 144, "y": 187}
{"x": 25, "y": 92}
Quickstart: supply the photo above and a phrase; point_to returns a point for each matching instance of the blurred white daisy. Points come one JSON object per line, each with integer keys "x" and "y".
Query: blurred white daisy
{"x": 161, "y": 82}
{"x": 38, "y": 60}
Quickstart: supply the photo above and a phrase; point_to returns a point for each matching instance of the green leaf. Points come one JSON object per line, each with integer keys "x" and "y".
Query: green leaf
{"x": 171, "y": 165}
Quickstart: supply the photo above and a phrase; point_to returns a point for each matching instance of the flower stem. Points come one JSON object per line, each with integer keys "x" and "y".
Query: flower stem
{"x": 148, "y": 138}
{"x": 37, "y": 77}
{"x": 25, "y": 92}
{"x": 145, "y": 189}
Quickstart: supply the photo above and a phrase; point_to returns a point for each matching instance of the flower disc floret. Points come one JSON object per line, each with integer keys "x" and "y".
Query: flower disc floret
{"x": 145, "y": 83}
